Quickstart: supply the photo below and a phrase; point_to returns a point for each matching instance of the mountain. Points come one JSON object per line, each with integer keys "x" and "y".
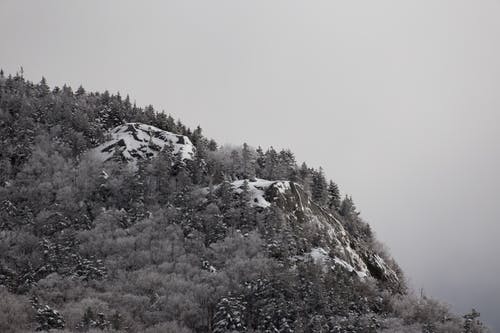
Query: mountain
{"x": 120, "y": 219}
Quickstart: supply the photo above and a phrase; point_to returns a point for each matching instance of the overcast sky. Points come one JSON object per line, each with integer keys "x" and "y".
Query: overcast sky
{"x": 399, "y": 101}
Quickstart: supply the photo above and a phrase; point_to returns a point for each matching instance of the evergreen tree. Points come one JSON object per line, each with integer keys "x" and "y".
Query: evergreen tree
{"x": 244, "y": 205}
{"x": 229, "y": 315}
{"x": 212, "y": 224}
{"x": 271, "y": 164}
{"x": 80, "y": 91}
{"x": 236, "y": 164}
{"x": 260, "y": 162}
{"x": 43, "y": 89}
{"x": 319, "y": 188}
{"x": 197, "y": 138}
{"x": 286, "y": 165}
{"x": 333, "y": 196}
{"x": 305, "y": 177}
{"x": 348, "y": 209}
{"x": 212, "y": 145}
{"x": 248, "y": 162}
{"x": 224, "y": 195}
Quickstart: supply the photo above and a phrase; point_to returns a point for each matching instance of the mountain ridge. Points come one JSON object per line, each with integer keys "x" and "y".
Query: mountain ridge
{"x": 230, "y": 240}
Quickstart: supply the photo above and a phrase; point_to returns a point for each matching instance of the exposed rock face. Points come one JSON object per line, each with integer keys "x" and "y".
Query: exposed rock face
{"x": 336, "y": 247}
{"x": 136, "y": 141}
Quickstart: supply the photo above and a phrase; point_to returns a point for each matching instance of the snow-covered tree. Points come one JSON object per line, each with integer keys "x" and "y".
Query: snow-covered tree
{"x": 229, "y": 315}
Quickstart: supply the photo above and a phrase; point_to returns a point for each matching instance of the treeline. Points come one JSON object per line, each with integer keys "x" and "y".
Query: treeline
{"x": 33, "y": 115}
{"x": 169, "y": 246}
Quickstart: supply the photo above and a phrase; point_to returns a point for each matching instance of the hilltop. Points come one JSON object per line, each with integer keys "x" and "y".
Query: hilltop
{"x": 120, "y": 218}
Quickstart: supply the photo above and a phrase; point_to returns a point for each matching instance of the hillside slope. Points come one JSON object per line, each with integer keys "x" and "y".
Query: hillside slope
{"x": 117, "y": 218}
{"x": 335, "y": 247}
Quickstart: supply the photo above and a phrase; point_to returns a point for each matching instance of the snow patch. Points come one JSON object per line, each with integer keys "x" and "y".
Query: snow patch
{"x": 257, "y": 189}
{"x": 343, "y": 263}
{"x": 137, "y": 141}
{"x": 282, "y": 187}
{"x": 319, "y": 255}
{"x": 356, "y": 259}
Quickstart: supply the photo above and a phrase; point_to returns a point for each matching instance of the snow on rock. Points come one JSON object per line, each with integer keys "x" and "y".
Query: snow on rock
{"x": 259, "y": 190}
{"x": 258, "y": 187}
{"x": 319, "y": 255}
{"x": 136, "y": 141}
{"x": 282, "y": 186}
{"x": 339, "y": 249}
{"x": 343, "y": 264}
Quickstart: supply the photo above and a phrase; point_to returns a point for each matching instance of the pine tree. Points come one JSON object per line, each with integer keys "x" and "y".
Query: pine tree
{"x": 348, "y": 209}
{"x": 319, "y": 188}
{"x": 304, "y": 174}
{"x": 198, "y": 168}
{"x": 224, "y": 195}
{"x": 80, "y": 91}
{"x": 47, "y": 317}
{"x": 248, "y": 162}
{"x": 236, "y": 164}
{"x": 244, "y": 204}
{"x": 286, "y": 165}
{"x": 212, "y": 224}
{"x": 271, "y": 164}
{"x": 212, "y": 145}
{"x": 229, "y": 315}
{"x": 333, "y": 196}
{"x": 260, "y": 163}
{"x": 44, "y": 89}
{"x": 197, "y": 137}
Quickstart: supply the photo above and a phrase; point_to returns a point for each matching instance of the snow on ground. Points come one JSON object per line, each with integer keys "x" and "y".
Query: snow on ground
{"x": 319, "y": 255}
{"x": 352, "y": 262}
{"x": 257, "y": 189}
{"x": 140, "y": 141}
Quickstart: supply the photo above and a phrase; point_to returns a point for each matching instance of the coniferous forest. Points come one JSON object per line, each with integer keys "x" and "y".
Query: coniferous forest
{"x": 119, "y": 218}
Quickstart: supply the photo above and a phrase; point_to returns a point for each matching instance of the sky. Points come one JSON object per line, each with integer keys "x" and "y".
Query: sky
{"x": 398, "y": 101}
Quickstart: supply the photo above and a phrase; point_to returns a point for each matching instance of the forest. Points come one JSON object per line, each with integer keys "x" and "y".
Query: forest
{"x": 173, "y": 244}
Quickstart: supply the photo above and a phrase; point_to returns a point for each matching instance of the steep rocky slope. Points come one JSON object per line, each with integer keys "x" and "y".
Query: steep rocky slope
{"x": 335, "y": 247}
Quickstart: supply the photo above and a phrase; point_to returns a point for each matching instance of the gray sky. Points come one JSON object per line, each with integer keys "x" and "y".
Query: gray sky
{"x": 399, "y": 101}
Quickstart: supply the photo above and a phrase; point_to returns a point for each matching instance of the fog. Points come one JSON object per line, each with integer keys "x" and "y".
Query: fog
{"x": 398, "y": 101}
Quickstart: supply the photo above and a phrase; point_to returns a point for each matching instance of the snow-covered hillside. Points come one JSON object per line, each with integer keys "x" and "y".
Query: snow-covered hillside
{"x": 339, "y": 249}
{"x": 137, "y": 141}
